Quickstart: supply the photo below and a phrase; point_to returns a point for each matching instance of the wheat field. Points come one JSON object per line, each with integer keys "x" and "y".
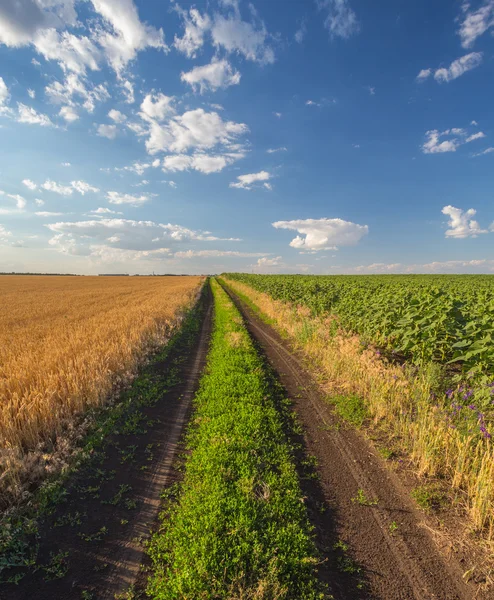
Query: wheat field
{"x": 65, "y": 344}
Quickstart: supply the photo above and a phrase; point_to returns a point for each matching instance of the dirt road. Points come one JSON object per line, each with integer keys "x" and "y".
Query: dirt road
{"x": 383, "y": 546}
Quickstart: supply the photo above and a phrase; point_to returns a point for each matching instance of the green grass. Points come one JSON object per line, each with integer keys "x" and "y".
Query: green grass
{"x": 351, "y": 408}
{"x": 239, "y": 528}
{"x": 429, "y": 497}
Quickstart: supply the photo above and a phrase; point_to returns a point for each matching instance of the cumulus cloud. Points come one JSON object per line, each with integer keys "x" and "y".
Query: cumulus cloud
{"x": 131, "y": 199}
{"x": 107, "y": 131}
{"x": 117, "y": 116}
{"x": 475, "y": 22}
{"x": 30, "y": 184}
{"x": 234, "y": 35}
{"x": 81, "y": 237}
{"x": 157, "y": 107}
{"x": 20, "y": 202}
{"x": 461, "y": 223}
{"x": 216, "y": 253}
{"x": 195, "y": 129}
{"x": 323, "y": 234}
{"x": 268, "y": 262}
{"x": 4, "y": 94}
{"x": 457, "y": 68}
{"x": 83, "y": 188}
{"x": 67, "y": 190}
{"x": 39, "y": 202}
{"x": 273, "y": 150}
{"x": 4, "y": 234}
{"x": 195, "y": 28}
{"x": 77, "y": 91}
{"x": 27, "y": 114}
{"x": 448, "y": 141}
{"x": 248, "y": 181}
{"x": 204, "y": 163}
{"x": 341, "y": 20}
{"x": 217, "y": 74}
{"x": 104, "y": 211}
{"x": 69, "y": 114}
{"x": 116, "y": 36}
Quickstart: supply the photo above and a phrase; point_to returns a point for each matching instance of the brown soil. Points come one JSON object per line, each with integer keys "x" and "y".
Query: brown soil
{"x": 397, "y": 563}
{"x": 108, "y": 568}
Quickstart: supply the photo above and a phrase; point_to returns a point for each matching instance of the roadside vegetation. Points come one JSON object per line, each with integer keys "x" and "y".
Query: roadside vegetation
{"x": 66, "y": 345}
{"x": 418, "y": 350}
{"x": 236, "y": 527}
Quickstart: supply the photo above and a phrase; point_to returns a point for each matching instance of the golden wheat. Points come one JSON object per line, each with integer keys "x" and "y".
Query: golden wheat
{"x": 65, "y": 343}
{"x": 398, "y": 399}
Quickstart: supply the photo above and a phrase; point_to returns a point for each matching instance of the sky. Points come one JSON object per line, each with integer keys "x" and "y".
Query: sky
{"x": 305, "y": 136}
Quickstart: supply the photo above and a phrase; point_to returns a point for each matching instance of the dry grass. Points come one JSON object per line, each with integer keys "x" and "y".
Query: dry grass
{"x": 65, "y": 343}
{"x": 397, "y": 399}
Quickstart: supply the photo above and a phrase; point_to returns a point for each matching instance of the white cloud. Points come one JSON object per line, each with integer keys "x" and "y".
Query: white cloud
{"x": 277, "y": 114}
{"x": 4, "y": 234}
{"x": 246, "y": 182}
{"x": 217, "y": 74}
{"x": 81, "y": 237}
{"x": 457, "y": 68}
{"x": 268, "y": 262}
{"x": 195, "y": 129}
{"x": 476, "y": 22}
{"x": 128, "y": 91}
{"x": 39, "y": 202}
{"x": 424, "y": 74}
{"x": 237, "y": 36}
{"x": 301, "y": 32}
{"x": 117, "y": 116}
{"x": 75, "y": 86}
{"x": 27, "y": 114}
{"x": 372, "y": 90}
{"x": 475, "y": 136}
{"x": 312, "y": 103}
{"x": 19, "y": 201}
{"x": 69, "y": 114}
{"x": 216, "y": 253}
{"x": 133, "y": 200}
{"x": 341, "y": 20}
{"x": 76, "y": 54}
{"x": 273, "y": 150}
{"x": 456, "y": 137}
{"x": 196, "y": 27}
{"x": 4, "y": 94}
{"x": 48, "y": 214}
{"x": 157, "y": 107}
{"x": 129, "y": 34}
{"x": 53, "y": 186}
{"x": 83, "y": 188}
{"x": 323, "y": 234}
{"x": 486, "y": 151}
{"x": 104, "y": 211}
{"x": 205, "y": 163}
{"x": 461, "y": 223}
{"x": 107, "y": 131}
{"x": 30, "y": 184}
{"x": 31, "y": 93}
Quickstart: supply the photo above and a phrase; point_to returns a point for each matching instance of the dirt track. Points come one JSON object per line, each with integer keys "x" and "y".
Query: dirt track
{"x": 110, "y": 566}
{"x": 396, "y": 565}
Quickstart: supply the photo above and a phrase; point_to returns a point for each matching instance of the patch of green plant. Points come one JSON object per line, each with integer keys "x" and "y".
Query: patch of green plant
{"x": 393, "y": 527}
{"x": 362, "y": 499}
{"x": 239, "y": 527}
{"x": 72, "y": 519}
{"x": 346, "y": 564}
{"x": 123, "y": 489}
{"x": 57, "y": 567}
{"x": 94, "y": 537}
{"x": 386, "y": 453}
{"x": 429, "y": 497}
{"x": 351, "y": 408}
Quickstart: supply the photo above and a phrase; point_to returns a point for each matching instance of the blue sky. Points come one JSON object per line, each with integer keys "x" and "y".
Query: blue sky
{"x": 325, "y": 136}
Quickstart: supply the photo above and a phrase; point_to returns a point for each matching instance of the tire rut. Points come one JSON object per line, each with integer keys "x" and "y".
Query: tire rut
{"x": 398, "y": 565}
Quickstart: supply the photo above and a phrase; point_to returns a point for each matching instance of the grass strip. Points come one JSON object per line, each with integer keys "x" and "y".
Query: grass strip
{"x": 240, "y": 528}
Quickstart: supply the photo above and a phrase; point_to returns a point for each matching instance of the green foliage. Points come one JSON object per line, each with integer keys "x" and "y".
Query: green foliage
{"x": 240, "y": 527}
{"x": 351, "y": 408}
{"x": 429, "y": 497}
{"x": 443, "y": 318}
